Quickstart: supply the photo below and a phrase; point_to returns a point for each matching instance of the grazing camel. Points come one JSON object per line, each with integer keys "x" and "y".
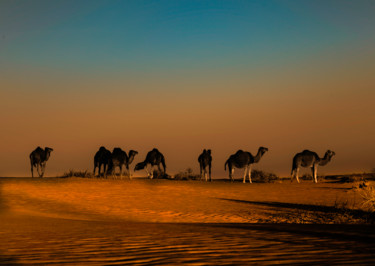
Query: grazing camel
{"x": 308, "y": 158}
{"x": 39, "y": 157}
{"x": 153, "y": 158}
{"x": 205, "y": 160}
{"x": 120, "y": 158}
{"x": 243, "y": 159}
{"x": 102, "y": 157}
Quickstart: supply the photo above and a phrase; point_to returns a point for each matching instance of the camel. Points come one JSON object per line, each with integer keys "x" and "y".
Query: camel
{"x": 102, "y": 157}
{"x": 39, "y": 158}
{"x": 153, "y": 158}
{"x": 308, "y": 158}
{"x": 243, "y": 159}
{"x": 205, "y": 160}
{"x": 120, "y": 158}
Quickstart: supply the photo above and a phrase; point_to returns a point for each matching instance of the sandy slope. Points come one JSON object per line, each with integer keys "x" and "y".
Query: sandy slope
{"x": 162, "y": 221}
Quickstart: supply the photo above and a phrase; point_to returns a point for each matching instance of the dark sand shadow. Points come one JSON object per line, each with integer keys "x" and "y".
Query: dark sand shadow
{"x": 370, "y": 216}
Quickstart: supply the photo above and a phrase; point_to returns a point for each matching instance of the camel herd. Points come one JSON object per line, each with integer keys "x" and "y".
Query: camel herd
{"x": 108, "y": 161}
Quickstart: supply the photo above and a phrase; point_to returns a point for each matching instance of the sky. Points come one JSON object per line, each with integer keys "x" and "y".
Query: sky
{"x": 183, "y": 76}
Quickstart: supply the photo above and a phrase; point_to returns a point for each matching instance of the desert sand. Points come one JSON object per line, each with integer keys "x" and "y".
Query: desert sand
{"x": 151, "y": 222}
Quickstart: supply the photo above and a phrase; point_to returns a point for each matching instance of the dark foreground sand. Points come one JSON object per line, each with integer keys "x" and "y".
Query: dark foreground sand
{"x": 150, "y": 222}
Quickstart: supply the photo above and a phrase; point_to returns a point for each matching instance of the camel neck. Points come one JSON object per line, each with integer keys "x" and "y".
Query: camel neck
{"x": 324, "y": 160}
{"x": 257, "y": 157}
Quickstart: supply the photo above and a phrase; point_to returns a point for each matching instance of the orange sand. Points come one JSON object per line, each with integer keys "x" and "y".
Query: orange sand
{"x": 147, "y": 222}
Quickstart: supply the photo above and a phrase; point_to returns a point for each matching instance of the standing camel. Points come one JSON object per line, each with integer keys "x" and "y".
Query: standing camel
{"x": 102, "y": 157}
{"x": 39, "y": 158}
{"x": 308, "y": 158}
{"x": 120, "y": 158}
{"x": 243, "y": 159}
{"x": 205, "y": 160}
{"x": 153, "y": 158}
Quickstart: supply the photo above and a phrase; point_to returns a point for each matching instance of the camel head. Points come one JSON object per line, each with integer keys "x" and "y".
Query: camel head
{"x": 140, "y": 166}
{"x": 327, "y": 157}
{"x": 132, "y": 153}
{"x": 329, "y": 154}
{"x": 48, "y": 152}
{"x": 262, "y": 150}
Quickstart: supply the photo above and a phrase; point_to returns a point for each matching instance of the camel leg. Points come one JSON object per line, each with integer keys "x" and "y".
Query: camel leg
{"x": 297, "y": 171}
{"x": 201, "y": 172}
{"x": 314, "y": 172}
{"x": 37, "y": 169}
{"x": 120, "y": 171}
{"x": 245, "y": 174}
{"x": 43, "y": 168}
{"x": 231, "y": 172}
{"x": 160, "y": 170}
{"x": 205, "y": 174}
{"x": 32, "y": 171}
{"x": 209, "y": 172}
{"x": 129, "y": 173}
{"x": 105, "y": 171}
{"x": 250, "y": 174}
{"x": 149, "y": 174}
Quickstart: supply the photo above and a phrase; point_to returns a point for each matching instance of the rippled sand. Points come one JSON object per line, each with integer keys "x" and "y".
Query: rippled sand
{"x": 148, "y": 222}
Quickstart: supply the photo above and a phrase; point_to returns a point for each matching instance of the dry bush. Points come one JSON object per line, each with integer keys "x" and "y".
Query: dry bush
{"x": 263, "y": 177}
{"x": 352, "y": 178}
{"x": 73, "y": 173}
{"x": 309, "y": 177}
{"x": 186, "y": 175}
{"x": 368, "y": 195}
{"x": 160, "y": 175}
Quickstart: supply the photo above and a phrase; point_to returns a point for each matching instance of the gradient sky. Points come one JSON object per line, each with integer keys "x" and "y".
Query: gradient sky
{"x": 186, "y": 75}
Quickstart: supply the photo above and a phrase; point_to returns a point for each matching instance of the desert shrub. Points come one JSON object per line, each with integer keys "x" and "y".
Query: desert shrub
{"x": 73, "y": 173}
{"x": 263, "y": 177}
{"x": 352, "y": 178}
{"x": 367, "y": 193}
{"x": 160, "y": 175}
{"x": 309, "y": 177}
{"x": 187, "y": 175}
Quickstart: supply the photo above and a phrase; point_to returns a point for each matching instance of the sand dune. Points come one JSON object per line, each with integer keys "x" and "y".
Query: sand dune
{"x": 169, "y": 222}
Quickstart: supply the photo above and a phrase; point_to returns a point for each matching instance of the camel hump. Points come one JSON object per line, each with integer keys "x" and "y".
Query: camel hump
{"x": 116, "y": 150}
{"x": 239, "y": 151}
{"x": 102, "y": 148}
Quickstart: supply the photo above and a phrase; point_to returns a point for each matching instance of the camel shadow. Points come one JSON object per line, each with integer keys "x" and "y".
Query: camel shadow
{"x": 309, "y": 207}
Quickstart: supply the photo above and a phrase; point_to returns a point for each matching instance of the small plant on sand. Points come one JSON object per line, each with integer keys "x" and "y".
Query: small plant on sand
{"x": 308, "y": 177}
{"x": 263, "y": 177}
{"x": 73, "y": 173}
{"x": 368, "y": 195}
{"x": 186, "y": 175}
{"x": 160, "y": 175}
{"x": 353, "y": 178}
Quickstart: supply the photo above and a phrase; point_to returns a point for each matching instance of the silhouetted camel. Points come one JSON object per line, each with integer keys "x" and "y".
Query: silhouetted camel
{"x": 102, "y": 157}
{"x": 205, "y": 160}
{"x": 243, "y": 159}
{"x": 39, "y": 157}
{"x": 308, "y": 158}
{"x": 120, "y": 158}
{"x": 153, "y": 158}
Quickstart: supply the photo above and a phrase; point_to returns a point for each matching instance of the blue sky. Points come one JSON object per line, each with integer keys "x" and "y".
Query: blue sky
{"x": 225, "y": 75}
{"x": 168, "y": 35}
